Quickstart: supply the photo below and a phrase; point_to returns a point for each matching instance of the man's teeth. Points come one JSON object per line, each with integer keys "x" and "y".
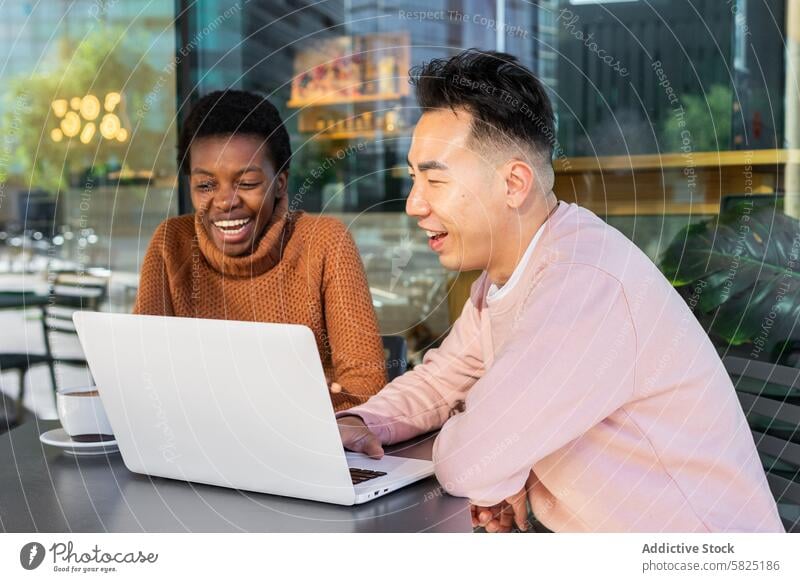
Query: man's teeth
{"x": 232, "y": 226}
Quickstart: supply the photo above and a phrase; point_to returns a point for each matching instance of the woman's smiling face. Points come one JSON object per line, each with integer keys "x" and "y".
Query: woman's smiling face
{"x": 234, "y": 185}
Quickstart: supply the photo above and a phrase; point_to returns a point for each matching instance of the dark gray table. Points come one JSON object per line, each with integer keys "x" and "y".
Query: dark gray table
{"x": 45, "y": 490}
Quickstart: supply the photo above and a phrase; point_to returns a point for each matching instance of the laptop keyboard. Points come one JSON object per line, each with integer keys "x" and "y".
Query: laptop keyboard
{"x": 361, "y": 475}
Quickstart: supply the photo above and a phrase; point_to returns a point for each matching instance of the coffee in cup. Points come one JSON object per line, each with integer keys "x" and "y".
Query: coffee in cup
{"x": 81, "y": 413}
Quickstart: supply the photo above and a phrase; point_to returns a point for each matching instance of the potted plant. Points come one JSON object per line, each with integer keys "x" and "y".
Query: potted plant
{"x": 740, "y": 273}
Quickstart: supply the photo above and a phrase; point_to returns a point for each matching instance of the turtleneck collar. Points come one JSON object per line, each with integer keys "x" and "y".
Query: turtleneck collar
{"x": 267, "y": 252}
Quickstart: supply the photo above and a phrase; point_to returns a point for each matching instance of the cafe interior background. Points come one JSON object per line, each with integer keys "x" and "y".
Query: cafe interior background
{"x": 677, "y": 123}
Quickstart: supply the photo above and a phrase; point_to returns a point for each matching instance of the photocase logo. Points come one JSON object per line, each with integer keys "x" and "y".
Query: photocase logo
{"x": 31, "y": 555}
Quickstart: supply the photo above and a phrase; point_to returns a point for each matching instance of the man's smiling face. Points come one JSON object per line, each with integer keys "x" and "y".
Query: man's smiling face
{"x": 234, "y": 184}
{"x": 457, "y": 196}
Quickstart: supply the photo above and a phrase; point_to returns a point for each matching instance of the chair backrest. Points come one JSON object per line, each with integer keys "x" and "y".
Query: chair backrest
{"x": 70, "y": 291}
{"x": 770, "y": 398}
{"x": 78, "y": 290}
{"x": 459, "y": 286}
{"x": 395, "y": 349}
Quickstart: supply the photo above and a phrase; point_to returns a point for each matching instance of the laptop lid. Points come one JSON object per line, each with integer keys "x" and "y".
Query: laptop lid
{"x": 236, "y": 404}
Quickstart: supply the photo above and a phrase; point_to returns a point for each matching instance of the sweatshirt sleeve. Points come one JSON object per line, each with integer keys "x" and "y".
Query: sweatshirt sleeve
{"x": 153, "y": 296}
{"x": 568, "y": 364}
{"x": 350, "y": 322}
{"x": 421, "y": 400}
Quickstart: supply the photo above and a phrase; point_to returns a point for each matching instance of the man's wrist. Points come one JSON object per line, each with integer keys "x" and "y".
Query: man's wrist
{"x": 345, "y": 416}
{"x": 377, "y": 425}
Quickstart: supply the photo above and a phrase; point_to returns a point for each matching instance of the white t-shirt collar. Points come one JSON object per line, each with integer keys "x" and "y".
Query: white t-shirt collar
{"x": 496, "y": 293}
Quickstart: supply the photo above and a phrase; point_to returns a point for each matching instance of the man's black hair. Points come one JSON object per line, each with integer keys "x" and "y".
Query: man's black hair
{"x": 230, "y": 112}
{"x": 506, "y": 100}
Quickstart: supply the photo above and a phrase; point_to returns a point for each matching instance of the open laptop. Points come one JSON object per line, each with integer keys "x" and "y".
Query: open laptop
{"x": 229, "y": 403}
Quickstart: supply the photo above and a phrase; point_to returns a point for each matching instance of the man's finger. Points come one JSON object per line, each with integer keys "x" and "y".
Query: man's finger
{"x": 473, "y": 511}
{"x": 368, "y": 444}
{"x": 506, "y": 518}
{"x": 357, "y": 437}
{"x": 501, "y": 521}
{"x": 519, "y": 509}
{"x": 487, "y": 514}
{"x": 373, "y": 448}
{"x": 495, "y": 526}
{"x": 476, "y": 511}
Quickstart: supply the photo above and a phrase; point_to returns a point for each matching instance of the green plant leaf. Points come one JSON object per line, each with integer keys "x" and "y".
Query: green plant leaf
{"x": 743, "y": 269}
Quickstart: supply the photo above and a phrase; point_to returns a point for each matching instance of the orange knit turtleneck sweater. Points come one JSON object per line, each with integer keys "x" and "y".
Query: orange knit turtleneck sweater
{"x": 304, "y": 270}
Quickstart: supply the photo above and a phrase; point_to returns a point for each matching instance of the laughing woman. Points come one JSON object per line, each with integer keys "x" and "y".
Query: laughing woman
{"x": 243, "y": 256}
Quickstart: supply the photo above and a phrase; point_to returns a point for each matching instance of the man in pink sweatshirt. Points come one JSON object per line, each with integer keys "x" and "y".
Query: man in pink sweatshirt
{"x": 576, "y": 379}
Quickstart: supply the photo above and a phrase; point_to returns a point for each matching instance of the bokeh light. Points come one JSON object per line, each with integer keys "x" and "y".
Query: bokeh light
{"x": 111, "y": 101}
{"x": 60, "y": 107}
{"x": 71, "y": 124}
{"x": 90, "y": 107}
{"x": 88, "y": 132}
{"x": 110, "y": 125}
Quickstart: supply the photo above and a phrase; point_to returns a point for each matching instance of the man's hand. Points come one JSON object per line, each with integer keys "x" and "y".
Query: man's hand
{"x": 501, "y": 518}
{"x": 358, "y": 438}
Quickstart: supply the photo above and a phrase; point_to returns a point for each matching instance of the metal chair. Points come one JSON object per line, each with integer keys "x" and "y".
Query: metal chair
{"x": 11, "y": 416}
{"x": 395, "y": 350}
{"x": 770, "y": 397}
{"x": 70, "y": 291}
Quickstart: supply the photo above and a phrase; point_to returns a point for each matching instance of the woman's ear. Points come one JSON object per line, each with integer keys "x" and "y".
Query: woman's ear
{"x": 282, "y": 184}
{"x": 520, "y": 180}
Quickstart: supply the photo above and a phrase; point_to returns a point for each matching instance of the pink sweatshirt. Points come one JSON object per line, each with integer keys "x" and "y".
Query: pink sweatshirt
{"x": 589, "y": 379}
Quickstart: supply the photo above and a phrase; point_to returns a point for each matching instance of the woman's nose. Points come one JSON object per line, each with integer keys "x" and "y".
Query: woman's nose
{"x": 226, "y": 199}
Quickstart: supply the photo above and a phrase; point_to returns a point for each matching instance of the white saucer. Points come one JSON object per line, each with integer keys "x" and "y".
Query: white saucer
{"x": 59, "y": 438}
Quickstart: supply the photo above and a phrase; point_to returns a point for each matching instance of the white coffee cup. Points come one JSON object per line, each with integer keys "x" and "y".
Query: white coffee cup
{"x": 81, "y": 413}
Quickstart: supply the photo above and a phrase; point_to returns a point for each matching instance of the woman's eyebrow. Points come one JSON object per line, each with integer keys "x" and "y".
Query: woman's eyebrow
{"x": 239, "y": 173}
{"x": 249, "y": 169}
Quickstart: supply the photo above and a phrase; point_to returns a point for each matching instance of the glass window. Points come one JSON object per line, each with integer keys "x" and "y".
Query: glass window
{"x": 338, "y": 71}
{"x": 670, "y": 113}
{"x": 677, "y": 125}
{"x": 87, "y": 107}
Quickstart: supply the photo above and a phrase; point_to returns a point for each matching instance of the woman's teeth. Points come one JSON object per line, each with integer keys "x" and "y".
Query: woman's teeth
{"x": 232, "y": 226}
{"x": 434, "y": 234}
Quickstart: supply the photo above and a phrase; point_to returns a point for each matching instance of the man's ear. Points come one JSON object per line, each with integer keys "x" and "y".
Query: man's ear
{"x": 520, "y": 180}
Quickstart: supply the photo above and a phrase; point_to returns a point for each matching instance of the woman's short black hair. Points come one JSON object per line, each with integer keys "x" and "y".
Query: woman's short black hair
{"x": 508, "y": 103}
{"x": 232, "y": 112}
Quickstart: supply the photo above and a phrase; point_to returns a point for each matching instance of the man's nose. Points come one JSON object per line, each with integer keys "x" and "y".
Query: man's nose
{"x": 416, "y": 205}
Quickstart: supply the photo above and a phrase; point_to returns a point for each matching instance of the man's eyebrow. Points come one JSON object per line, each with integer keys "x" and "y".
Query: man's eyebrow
{"x": 429, "y": 165}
